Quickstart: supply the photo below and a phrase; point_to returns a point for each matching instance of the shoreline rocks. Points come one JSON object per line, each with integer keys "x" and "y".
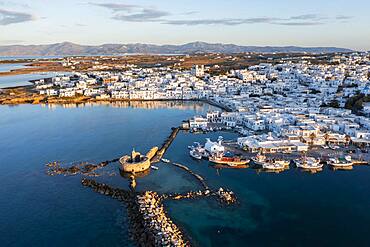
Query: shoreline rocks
{"x": 84, "y": 168}
{"x": 165, "y": 232}
{"x": 150, "y": 225}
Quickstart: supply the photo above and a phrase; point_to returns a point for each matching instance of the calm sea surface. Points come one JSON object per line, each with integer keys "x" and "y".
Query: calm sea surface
{"x": 23, "y": 80}
{"x": 288, "y": 209}
{"x": 10, "y": 66}
{"x": 27, "y": 57}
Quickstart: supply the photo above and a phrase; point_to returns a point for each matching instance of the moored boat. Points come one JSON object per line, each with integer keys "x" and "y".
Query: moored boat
{"x": 195, "y": 154}
{"x": 284, "y": 163}
{"x": 259, "y": 159}
{"x": 308, "y": 163}
{"x": 228, "y": 160}
{"x": 274, "y": 165}
{"x": 341, "y": 163}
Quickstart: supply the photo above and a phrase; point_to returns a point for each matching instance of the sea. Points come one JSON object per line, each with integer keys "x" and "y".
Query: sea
{"x": 292, "y": 208}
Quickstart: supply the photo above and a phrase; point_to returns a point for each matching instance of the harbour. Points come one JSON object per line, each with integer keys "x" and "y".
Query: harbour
{"x": 259, "y": 193}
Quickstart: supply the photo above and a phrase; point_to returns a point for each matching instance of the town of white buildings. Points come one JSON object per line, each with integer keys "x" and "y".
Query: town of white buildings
{"x": 277, "y": 107}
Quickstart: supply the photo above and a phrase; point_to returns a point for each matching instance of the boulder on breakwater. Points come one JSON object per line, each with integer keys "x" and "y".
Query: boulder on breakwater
{"x": 150, "y": 225}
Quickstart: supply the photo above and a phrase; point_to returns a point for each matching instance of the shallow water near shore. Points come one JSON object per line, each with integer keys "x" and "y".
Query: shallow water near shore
{"x": 11, "y": 66}
{"x": 291, "y": 208}
{"x": 22, "y": 80}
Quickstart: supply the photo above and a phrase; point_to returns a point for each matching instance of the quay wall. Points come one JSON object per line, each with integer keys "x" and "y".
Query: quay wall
{"x": 158, "y": 156}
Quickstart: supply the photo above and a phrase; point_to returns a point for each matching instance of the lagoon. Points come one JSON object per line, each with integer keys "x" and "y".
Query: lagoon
{"x": 11, "y": 66}
{"x": 23, "y": 79}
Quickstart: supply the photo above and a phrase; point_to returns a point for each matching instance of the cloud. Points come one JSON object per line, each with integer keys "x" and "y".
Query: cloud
{"x": 137, "y": 13}
{"x": 299, "y": 23}
{"x": 226, "y": 21}
{"x": 307, "y": 17}
{"x": 144, "y": 15}
{"x": 302, "y": 20}
{"x": 343, "y": 17}
{"x": 190, "y": 13}
{"x": 133, "y": 13}
{"x": 116, "y": 7}
{"x": 8, "y": 17}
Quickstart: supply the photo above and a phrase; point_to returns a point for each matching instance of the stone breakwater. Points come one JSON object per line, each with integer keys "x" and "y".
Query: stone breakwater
{"x": 165, "y": 145}
{"x": 87, "y": 169}
{"x": 150, "y": 226}
{"x": 224, "y": 196}
{"x": 197, "y": 176}
{"x": 165, "y": 232}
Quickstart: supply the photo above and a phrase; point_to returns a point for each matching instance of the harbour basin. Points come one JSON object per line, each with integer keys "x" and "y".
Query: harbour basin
{"x": 291, "y": 208}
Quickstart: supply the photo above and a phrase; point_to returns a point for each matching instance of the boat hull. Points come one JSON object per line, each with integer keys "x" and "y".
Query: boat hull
{"x": 230, "y": 163}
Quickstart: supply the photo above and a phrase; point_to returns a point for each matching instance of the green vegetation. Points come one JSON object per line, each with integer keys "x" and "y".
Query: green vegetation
{"x": 314, "y": 91}
{"x": 334, "y": 103}
{"x": 356, "y": 103}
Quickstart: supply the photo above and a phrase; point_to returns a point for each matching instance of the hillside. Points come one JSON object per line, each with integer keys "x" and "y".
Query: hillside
{"x": 67, "y": 48}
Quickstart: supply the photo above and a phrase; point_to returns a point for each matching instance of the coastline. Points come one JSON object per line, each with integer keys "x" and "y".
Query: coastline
{"x": 26, "y": 95}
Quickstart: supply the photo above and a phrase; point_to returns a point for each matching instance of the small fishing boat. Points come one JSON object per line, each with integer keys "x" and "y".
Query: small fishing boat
{"x": 165, "y": 160}
{"x": 308, "y": 163}
{"x": 195, "y": 154}
{"x": 275, "y": 165}
{"x": 228, "y": 159}
{"x": 259, "y": 159}
{"x": 154, "y": 167}
{"x": 341, "y": 163}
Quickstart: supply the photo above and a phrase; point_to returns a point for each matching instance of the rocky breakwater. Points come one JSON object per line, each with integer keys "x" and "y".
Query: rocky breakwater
{"x": 165, "y": 232}
{"x": 87, "y": 169}
{"x": 223, "y": 196}
{"x": 197, "y": 176}
{"x": 150, "y": 226}
{"x": 226, "y": 196}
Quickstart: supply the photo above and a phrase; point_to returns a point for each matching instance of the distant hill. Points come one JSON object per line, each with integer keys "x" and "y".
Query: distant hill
{"x": 67, "y": 48}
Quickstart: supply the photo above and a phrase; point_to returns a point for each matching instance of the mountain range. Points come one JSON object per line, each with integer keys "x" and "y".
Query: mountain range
{"x": 68, "y": 48}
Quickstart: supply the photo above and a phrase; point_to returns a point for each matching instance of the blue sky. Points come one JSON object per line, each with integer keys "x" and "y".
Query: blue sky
{"x": 250, "y": 22}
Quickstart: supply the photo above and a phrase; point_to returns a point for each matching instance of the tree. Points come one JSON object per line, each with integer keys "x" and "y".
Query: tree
{"x": 348, "y": 139}
{"x": 326, "y": 137}
{"x": 355, "y": 103}
{"x": 312, "y": 138}
{"x": 334, "y": 103}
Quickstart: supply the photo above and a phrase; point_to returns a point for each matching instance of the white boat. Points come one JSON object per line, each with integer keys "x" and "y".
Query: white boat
{"x": 345, "y": 162}
{"x": 165, "y": 160}
{"x": 154, "y": 167}
{"x": 273, "y": 166}
{"x": 260, "y": 159}
{"x": 196, "y": 155}
{"x": 308, "y": 163}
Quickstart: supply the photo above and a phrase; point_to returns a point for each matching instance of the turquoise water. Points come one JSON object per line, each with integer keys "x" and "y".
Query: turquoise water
{"x": 288, "y": 209}
{"x": 293, "y": 208}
